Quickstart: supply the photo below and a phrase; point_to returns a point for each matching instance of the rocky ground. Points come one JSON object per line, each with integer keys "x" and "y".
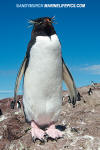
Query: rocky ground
{"x": 80, "y": 125}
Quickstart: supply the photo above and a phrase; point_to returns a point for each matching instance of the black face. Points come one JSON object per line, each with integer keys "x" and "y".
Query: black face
{"x": 43, "y": 21}
{"x": 43, "y": 26}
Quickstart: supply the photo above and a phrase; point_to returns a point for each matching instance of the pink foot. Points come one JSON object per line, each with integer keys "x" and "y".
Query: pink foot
{"x": 36, "y": 132}
{"x": 53, "y": 132}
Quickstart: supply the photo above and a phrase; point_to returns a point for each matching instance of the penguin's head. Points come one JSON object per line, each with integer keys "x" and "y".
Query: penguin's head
{"x": 42, "y": 22}
{"x": 43, "y": 26}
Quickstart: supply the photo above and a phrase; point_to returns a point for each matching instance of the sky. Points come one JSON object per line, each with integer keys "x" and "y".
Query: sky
{"x": 78, "y": 30}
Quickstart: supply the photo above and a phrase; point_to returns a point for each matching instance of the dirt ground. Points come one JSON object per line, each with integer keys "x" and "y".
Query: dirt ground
{"x": 80, "y": 125}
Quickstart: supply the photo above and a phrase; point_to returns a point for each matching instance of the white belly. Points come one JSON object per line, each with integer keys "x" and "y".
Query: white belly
{"x": 43, "y": 81}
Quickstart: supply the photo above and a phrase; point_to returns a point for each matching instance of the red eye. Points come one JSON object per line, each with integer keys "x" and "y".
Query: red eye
{"x": 48, "y": 20}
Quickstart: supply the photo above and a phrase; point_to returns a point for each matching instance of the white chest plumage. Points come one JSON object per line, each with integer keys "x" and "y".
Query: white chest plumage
{"x": 43, "y": 81}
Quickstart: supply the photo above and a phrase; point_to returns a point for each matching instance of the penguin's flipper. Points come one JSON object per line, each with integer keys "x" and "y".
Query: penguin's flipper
{"x": 68, "y": 79}
{"x": 18, "y": 79}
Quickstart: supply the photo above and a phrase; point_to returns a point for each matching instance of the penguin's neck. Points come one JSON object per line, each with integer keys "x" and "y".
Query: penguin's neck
{"x": 47, "y": 31}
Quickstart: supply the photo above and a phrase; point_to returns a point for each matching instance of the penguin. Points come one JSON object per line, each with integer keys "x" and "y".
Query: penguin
{"x": 69, "y": 99}
{"x": 44, "y": 69}
{"x": 90, "y": 91}
{"x": 93, "y": 84}
{"x": 12, "y": 104}
{"x": 18, "y": 104}
{"x": 79, "y": 96}
{"x": 63, "y": 98}
{"x": 1, "y": 112}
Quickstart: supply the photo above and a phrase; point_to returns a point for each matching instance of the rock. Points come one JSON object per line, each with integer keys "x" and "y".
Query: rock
{"x": 80, "y": 125}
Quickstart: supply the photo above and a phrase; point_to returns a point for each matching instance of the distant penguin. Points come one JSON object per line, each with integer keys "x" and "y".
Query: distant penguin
{"x": 93, "y": 84}
{"x": 90, "y": 91}
{"x": 12, "y": 104}
{"x": 79, "y": 96}
{"x": 44, "y": 69}
{"x": 69, "y": 99}
{"x": 63, "y": 98}
{"x": 1, "y": 112}
{"x": 18, "y": 104}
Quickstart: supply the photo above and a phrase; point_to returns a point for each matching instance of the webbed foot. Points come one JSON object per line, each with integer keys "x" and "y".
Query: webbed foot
{"x": 36, "y": 132}
{"x": 53, "y": 133}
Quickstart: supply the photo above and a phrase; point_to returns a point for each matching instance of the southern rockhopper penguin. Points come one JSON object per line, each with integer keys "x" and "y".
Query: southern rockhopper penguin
{"x": 18, "y": 104}
{"x": 44, "y": 69}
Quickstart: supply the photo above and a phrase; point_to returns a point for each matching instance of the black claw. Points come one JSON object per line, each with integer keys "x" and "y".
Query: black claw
{"x": 73, "y": 106}
{"x": 42, "y": 140}
{"x": 34, "y": 139}
{"x": 73, "y": 102}
{"x": 47, "y": 137}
